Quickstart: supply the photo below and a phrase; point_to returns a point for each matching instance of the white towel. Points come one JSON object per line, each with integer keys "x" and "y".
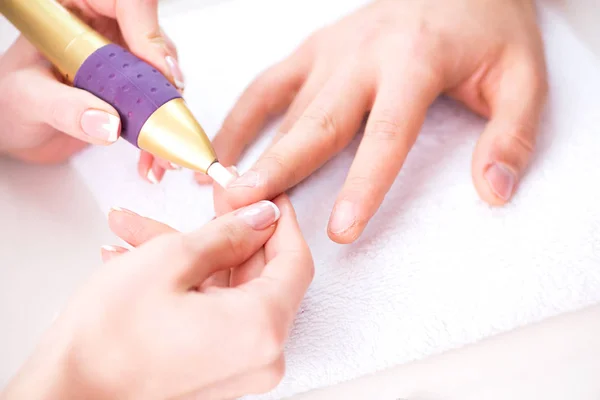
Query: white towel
{"x": 437, "y": 268}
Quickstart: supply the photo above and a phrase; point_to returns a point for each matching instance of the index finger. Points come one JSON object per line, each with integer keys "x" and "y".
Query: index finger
{"x": 138, "y": 21}
{"x": 326, "y": 127}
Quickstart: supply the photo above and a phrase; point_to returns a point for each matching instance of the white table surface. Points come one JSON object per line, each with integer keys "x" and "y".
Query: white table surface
{"x": 51, "y": 231}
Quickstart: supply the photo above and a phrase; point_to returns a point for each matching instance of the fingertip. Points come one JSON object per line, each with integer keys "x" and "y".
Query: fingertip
{"x": 155, "y": 174}
{"x": 202, "y": 179}
{"x": 347, "y": 237}
{"x": 345, "y": 224}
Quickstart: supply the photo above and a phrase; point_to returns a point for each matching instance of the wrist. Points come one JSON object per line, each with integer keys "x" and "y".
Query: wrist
{"x": 52, "y": 372}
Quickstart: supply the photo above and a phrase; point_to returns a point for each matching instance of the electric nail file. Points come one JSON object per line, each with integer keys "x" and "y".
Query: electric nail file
{"x": 154, "y": 116}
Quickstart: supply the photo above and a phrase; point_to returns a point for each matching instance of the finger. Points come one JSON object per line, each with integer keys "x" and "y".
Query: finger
{"x": 149, "y": 168}
{"x": 267, "y": 96}
{"x": 394, "y": 123}
{"x": 219, "y": 279}
{"x": 326, "y": 127}
{"x": 305, "y": 96}
{"x": 166, "y": 165}
{"x": 70, "y": 110}
{"x": 56, "y": 150}
{"x": 219, "y": 200}
{"x": 156, "y": 173}
{"x": 225, "y": 242}
{"x": 135, "y": 229}
{"x": 248, "y": 271}
{"x": 289, "y": 269}
{"x": 138, "y": 20}
{"x": 21, "y": 54}
{"x": 110, "y": 252}
{"x": 170, "y": 45}
{"x": 507, "y": 144}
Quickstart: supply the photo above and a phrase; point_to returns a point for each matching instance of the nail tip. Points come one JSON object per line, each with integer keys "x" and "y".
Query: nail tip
{"x": 275, "y": 209}
{"x": 109, "y": 248}
{"x": 152, "y": 177}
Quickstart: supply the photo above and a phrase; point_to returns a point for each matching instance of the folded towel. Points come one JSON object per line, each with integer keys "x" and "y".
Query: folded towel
{"x": 437, "y": 268}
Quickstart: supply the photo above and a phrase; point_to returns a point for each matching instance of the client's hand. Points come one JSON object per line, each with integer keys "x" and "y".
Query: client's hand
{"x": 393, "y": 59}
{"x": 146, "y": 326}
{"x": 45, "y": 121}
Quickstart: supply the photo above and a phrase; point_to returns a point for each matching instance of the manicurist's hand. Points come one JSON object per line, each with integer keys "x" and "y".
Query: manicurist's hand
{"x": 44, "y": 120}
{"x": 393, "y": 59}
{"x": 147, "y": 326}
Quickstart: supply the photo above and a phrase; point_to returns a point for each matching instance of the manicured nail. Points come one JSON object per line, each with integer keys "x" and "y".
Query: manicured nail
{"x": 343, "y": 218}
{"x": 175, "y": 72}
{"x": 260, "y": 215}
{"x": 174, "y": 166}
{"x": 101, "y": 125}
{"x": 249, "y": 179}
{"x": 501, "y": 180}
{"x": 111, "y": 249}
{"x": 152, "y": 176}
{"x": 123, "y": 210}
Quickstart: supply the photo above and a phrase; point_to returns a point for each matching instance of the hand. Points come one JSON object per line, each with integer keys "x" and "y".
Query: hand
{"x": 393, "y": 59}
{"x": 143, "y": 328}
{"x": 45, "y": 121}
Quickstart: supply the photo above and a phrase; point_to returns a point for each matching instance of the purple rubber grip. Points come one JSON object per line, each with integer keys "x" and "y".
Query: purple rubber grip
{"x": 133, "y": 87}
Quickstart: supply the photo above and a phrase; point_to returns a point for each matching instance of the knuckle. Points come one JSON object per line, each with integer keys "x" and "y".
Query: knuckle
{"x": 321, "y": 121}
{"x": 384, "y": 127}
{"x": 274, "y": 161}
{"x": 231, "y": 235}
{"x": 522, "y": 137}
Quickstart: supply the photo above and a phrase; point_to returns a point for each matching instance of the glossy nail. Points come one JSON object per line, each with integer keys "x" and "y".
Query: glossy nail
{"x": 101, "y": 125}
{"x": 501, "y": 180}
{"x": 260, "y": 215}
{"x": 249, "y": 179}
{"x": 343, "y": 218}
{"x": 175, "y": 72}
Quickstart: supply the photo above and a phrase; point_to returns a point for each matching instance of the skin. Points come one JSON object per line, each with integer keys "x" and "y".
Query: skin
{"x": 147, "y": 326}
{"x": 41, "y": 120}
{"x": 388, "y": 62}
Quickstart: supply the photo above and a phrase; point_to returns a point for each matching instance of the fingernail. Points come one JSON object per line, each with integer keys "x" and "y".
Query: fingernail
{"x": 111, "y": 249}
{"x": 501, "y": 180}
{"x": 174, "y": 166}
{"x": 249, "y": 179}
{"x": 101, "y": 125}
{"x": 260, "y": 215}
{"x": 152, "y": 176}
{"x": 123, "y": 210}
{"x": 343, "y": 218}
{"x": 175, "y": 72}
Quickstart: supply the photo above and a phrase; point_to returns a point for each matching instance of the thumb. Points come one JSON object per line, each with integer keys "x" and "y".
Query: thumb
{"x": 72, "y": 111}
{"x": 225, "y": 242}
{"x": 507, "y": 144}
{"x": 138, "y": 21}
